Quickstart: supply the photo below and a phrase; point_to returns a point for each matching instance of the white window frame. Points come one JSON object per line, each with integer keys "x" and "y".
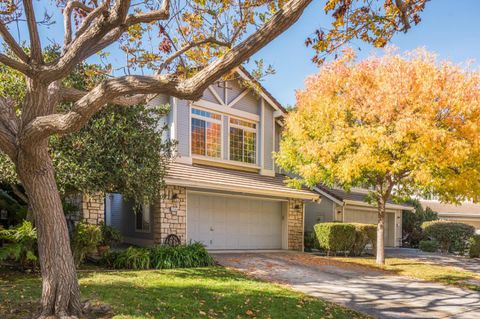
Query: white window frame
{"x": 245, "y": 128}
{"x": 141, "y": 230}
{"x": 206, "y": 119}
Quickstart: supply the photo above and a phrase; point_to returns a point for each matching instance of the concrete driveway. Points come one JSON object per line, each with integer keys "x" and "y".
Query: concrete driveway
{"x": 370, "y": 291}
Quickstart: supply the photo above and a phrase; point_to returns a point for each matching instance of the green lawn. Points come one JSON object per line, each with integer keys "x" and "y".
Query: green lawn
{"x": 421, "y": 270}
{"x": 187, "y": 293}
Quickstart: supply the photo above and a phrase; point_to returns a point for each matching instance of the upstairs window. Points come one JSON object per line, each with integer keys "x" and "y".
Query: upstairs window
{"x": 206, "y": 133}
{"x": 243, "y": 141}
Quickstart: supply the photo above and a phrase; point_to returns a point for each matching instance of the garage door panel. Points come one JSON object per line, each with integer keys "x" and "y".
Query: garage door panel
{"x": 223, "y": 222}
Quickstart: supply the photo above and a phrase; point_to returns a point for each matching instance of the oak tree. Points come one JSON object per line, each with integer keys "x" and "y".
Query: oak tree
{"x": 399, "y": 125}
{"x": 177, "y": 48}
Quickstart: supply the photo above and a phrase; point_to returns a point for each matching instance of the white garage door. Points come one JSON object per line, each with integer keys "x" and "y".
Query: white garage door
{"x": 222, "y": 222}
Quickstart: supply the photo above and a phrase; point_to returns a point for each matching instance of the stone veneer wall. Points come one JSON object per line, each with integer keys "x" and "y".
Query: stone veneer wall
{"x": 170, "y": 214}
{"x": 93, "y": 208}
{"x": 89, "y": 208}
{"x": 295, "y": 224}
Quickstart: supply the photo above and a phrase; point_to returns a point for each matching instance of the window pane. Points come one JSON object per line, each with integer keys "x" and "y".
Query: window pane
{"x": 236, "y": 144}
{"x": 242, "y": 123}
{"x": 206, "y": 114}
{"x": 249, "y": 147}
{"x": 198, "y": 137}
{"x": 214, "y": 139}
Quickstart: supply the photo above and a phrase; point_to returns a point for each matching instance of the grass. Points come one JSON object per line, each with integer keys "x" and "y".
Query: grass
{"x": 421, "y": 270}
{"x": 212, "y": 292}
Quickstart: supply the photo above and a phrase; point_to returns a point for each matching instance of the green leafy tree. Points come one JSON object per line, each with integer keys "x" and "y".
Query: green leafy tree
{"x": 412, "y": 232}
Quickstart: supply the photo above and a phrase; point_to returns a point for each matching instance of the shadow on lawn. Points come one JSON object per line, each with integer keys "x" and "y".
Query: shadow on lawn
{"x": 189, "y": 293}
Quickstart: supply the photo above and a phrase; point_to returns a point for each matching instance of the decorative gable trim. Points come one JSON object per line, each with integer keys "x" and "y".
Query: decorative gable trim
{"x": 215, "y": 94}
{"x": 238, "y": 98}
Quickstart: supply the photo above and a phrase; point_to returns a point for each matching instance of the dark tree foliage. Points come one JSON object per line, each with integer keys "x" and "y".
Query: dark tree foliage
{"x": 412, "y": 232}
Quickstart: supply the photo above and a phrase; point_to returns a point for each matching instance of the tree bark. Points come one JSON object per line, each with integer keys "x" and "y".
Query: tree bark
{"x": 60, "y": 290}
{"x": 380, "y": 258}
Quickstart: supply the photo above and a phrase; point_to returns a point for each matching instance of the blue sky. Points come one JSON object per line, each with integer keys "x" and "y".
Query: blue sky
{"x": 449, "y": 28}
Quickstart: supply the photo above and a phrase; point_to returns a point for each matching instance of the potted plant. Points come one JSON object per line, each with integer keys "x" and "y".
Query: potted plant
{"x": 110, "y": 236}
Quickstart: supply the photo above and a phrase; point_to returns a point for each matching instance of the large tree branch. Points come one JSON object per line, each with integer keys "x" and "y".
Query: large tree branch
{"x": 189, "y": 46}
{"x": 67, "y": 18}
{"x": 73, "y": 95}
{"x": 190, "y": 89}
{"x": 35, "y": 44}
{"x": 12, "y": 44}
{"x": 15, "y": 64}
{"x": 106, "y": 30}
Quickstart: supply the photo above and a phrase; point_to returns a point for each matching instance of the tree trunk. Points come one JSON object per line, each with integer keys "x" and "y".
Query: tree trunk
{"x": 60, "y": 290}
{"x": 380, "y": 258}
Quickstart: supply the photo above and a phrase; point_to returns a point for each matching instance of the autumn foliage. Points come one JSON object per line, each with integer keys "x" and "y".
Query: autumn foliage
{"x": 401, "y": 124}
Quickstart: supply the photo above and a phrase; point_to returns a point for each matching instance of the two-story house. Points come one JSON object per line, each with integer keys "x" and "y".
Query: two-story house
{"x": 223, "y": 189}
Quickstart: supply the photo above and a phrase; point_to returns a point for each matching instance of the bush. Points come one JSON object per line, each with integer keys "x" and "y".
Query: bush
{"x": 21, "y": 246}
{"x": 430, "y": 246}
{"x": 451, "y": 236}
{"x": 474, "y": 246}
{"x": 335, "y": 237}
{"x": 110, "y": 235}
{"x": 364, "y": 234}
{"x": 160, "y": 257}
{"x": 85, "y": 240}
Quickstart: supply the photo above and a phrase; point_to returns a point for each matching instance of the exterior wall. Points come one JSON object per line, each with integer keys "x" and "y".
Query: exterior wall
{"x": 170, "y": 214}
{"x": 183, "y": 127}
{"x": 295, "y": 224}
{"x": 318, "y": 213}
{"x": 93, "y": 208}
{"x": 268, "y": 136}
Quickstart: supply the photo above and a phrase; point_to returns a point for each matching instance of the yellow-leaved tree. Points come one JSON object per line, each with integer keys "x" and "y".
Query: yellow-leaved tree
{"x": 401, "y": 124}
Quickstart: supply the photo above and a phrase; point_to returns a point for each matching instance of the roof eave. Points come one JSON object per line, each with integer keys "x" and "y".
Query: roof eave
{"x": 237, "y": 189}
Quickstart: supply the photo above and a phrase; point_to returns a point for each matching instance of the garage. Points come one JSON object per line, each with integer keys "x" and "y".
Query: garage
{"x": 353, "y": 215}
{"x": 234, "y": 222}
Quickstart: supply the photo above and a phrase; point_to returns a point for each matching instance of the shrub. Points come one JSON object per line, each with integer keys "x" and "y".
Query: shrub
{"x": 451, "y": 236}
{"x": 430, "y": 246}
{"x": 110, "y": 235}
{"x": 364, "y": 234}
{"x": 21, "y": 246}
{"x": 160, "y": 257}
{"x": 474, "y": 246}
{"x": 85, "y": 240}
{"x": 335, "y": 237}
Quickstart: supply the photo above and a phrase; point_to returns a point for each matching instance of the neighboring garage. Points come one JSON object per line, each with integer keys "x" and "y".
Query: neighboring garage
{"x": 235, "y": 222}
{"x": 351, "y": 207}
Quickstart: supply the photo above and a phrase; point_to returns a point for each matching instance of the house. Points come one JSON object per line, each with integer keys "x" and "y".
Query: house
{"x": 223, "y": 188}
{"x": 337, "y": 205}
{"x": 467, "y": 212}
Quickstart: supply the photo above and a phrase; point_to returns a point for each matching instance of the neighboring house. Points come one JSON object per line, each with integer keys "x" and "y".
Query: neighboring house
{"x": 339, "y": 206}
{"x": 223, "y": 189}
{"x": 467, "y": 212}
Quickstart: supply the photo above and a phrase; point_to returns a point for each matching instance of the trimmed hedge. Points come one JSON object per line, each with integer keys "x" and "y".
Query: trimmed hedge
{"x": 159, "y": 257}
{"x": 474, "y": 249}
{"x": 451, "y": 236}
{"x": 430, "y": 246}
{"x": 364, "y": 234}
{"x": 335, "y": 237}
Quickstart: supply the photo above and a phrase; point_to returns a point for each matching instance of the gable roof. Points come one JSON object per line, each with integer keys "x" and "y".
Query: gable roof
{"x": 342, "y": 197}
{"x": 223, "y": 179}
{"x": 263, "y": 91}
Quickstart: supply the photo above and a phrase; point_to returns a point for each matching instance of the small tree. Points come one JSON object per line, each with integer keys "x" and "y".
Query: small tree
{"x": 412, "y": 232}
{"x": 395, "y": 124}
